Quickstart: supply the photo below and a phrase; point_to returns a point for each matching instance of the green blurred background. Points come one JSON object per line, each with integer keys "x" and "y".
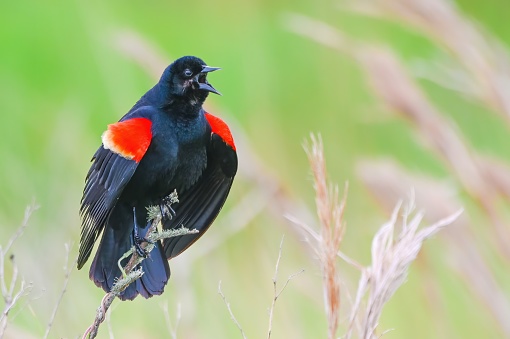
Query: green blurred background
{"x": 64, "y": 75}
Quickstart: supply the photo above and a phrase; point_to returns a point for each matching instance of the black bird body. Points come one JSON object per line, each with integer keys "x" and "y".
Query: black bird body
{"x": 175, "y": 158}
{"x": 166, "y": 142}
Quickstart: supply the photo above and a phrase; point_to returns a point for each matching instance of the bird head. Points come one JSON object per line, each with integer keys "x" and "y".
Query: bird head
{"x": 187, "y": 78}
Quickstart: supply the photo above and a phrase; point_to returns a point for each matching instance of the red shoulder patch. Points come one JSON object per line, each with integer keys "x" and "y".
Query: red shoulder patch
{"x": 219, "y": 127}
{"x": 130, "y": 138}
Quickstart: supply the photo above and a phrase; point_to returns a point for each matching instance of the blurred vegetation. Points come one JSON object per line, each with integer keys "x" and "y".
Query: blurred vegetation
{"x": 63, "y": 78}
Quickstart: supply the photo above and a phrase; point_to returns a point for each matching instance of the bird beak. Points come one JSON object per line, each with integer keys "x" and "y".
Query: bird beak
{"x": 206, "y": 86}
{"x": 201, "y": 79}
{"x": 207, "y": 69}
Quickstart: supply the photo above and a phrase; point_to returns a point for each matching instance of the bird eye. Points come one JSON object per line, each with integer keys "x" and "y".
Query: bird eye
{"x": 188, "y": 72}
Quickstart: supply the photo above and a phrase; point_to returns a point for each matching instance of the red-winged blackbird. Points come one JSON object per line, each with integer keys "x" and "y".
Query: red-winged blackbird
{"x": 166, "y": 142}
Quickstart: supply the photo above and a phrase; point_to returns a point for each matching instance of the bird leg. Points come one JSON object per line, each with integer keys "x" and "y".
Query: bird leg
{"x": 137, "y": 240}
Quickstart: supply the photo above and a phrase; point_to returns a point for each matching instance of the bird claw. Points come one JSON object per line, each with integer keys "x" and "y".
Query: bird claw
{"x": 138, "y": 245}
{"x": 167, "y": 212}
{"x": 137, "y": 240}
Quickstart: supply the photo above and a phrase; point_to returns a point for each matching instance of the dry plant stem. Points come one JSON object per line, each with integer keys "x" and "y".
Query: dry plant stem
{"x": 484, "y": 58}
{"x": 391, "y": 258}
{"x": 172, "y": 329}
{"x": 388, "y": 181}
{"x": 9, "y": 295}
{"x": 132, "y": 274}
{"x": 230, "y": 311}
{"x": 68, "y": 269}
{"x": 330, "y": 211}
{"x": 11, "y": 301}
{"x": 391, "y": 255}
{"x": 28, "y": 213}
{"x": 488, "y": 68}
{"x": 276, "y": 292}
{"x": 403, "y": 95}
{"x": 275, "y": 276}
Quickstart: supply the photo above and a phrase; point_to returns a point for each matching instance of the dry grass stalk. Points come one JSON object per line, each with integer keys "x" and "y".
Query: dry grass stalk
{"x": 485, "y": 67}
{"x": 391, "y": 258}
{"x": 485, "y": 179}
{"x": 392, "y": 253}
{"x": 404, "y": 96}
{"x": 489, "y": 66}
{"x": 330, "y": 211}
{"x": 387, "y": 181}
{"x": 13, "y": 291}
{"x": 496, "y": 171}
{"x": 485, "y": 59}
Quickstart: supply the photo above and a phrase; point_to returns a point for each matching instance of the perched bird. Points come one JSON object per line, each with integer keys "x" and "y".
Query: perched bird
{"x": 166, "y": 142}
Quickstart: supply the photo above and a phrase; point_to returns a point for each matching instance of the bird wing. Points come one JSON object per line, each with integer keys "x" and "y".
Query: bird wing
{"x": 199, "y": 205}
{"x": 113, "y": 165}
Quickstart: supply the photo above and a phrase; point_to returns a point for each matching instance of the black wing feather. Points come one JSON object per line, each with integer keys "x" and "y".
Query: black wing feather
{"x": 105, "y": 181}
{"x": 200, "y": 204}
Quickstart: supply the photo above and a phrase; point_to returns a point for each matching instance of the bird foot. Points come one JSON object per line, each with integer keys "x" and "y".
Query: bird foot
{"x": 138, "y": 245}
{"x": 167, "y": 212}
{"x": 138, "y": 240}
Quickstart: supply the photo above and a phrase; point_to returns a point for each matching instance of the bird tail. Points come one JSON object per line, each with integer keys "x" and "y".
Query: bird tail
{"x": 104, "y": 270}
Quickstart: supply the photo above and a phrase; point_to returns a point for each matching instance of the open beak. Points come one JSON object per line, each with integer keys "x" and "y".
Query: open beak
{"x": 201, "y": 79}
{"x": 207, "y": 69}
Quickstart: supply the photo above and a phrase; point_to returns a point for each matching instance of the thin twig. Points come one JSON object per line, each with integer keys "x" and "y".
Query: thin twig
{"x": 8, "y": 294}
{"x": 172, "y": 329}
{"x": 276, "y": 293}
{"x": 28, "y": 213}
{"x": 275, "y": 276}
{"x": 68, "y": 269}
{"x": 230, "y": 311}
{"x": 132, "y": 274}
{"x": 24, "y": 290}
